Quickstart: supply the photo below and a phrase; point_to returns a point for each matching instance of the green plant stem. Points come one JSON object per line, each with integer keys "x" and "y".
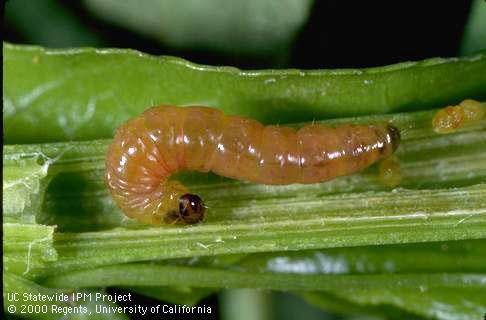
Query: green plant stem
{"x": 443, "y": 200}
{"x": 423, "y": 294}
{"x": 279, "y": 233}
{"x": 143, "y": 274}
{"x": 27, "y": 247}
{"x": 253, "y": 233}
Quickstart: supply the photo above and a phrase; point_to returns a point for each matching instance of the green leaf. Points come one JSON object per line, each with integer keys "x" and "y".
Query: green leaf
{"x": 142, "y": 274}
{"x": 82, "y": 94}
{"x": 394, "y": 275}
{"x": 252, "y": 27}
{"x": 49, "y": 23}
{"x": 447, "y": 256}
{"x": 430, "y": 303}
{"x": 24, "y": 185}
{"x": 245, "y": 304}
{"x": 423, "y": 279}
{"x": 16, "y": 285}
{"x": 342, "y": 306}
{"x": 27, "y": 247}
{"x": 474, "y": 38}
{"x": 426, "y": 294}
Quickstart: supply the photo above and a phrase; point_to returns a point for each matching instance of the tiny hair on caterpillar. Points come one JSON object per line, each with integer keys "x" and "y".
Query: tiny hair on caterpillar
{"x": 164, "y": 140}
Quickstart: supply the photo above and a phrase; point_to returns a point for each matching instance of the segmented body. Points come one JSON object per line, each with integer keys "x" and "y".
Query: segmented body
{"x": 148, "y": 149}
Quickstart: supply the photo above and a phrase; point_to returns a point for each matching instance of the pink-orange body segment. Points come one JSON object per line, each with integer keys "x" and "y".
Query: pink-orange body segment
{"x": 148, "y": 149}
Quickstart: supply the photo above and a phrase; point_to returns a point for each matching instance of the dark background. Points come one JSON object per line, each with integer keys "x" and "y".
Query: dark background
{"x": 338, "y": 34}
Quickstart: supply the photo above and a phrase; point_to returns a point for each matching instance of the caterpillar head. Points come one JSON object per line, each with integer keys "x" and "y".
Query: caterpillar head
{"x": 191, "y": 208}
{"x": 180, "y": 206}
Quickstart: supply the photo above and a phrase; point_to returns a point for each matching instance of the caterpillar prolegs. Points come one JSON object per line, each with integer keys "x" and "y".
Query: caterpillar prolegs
{"x": 148, "y": 149}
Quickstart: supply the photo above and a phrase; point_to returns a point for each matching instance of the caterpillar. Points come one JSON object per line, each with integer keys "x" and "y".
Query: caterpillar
{"x": 148, "y": 149}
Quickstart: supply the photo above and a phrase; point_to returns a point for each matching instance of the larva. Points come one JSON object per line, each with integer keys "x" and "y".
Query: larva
{"x": 450, "y": 118}
{"x": 148, "y": 149}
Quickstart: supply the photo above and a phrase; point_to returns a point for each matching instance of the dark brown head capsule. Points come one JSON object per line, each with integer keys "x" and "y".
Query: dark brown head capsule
{"x": 191, "y": 208}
